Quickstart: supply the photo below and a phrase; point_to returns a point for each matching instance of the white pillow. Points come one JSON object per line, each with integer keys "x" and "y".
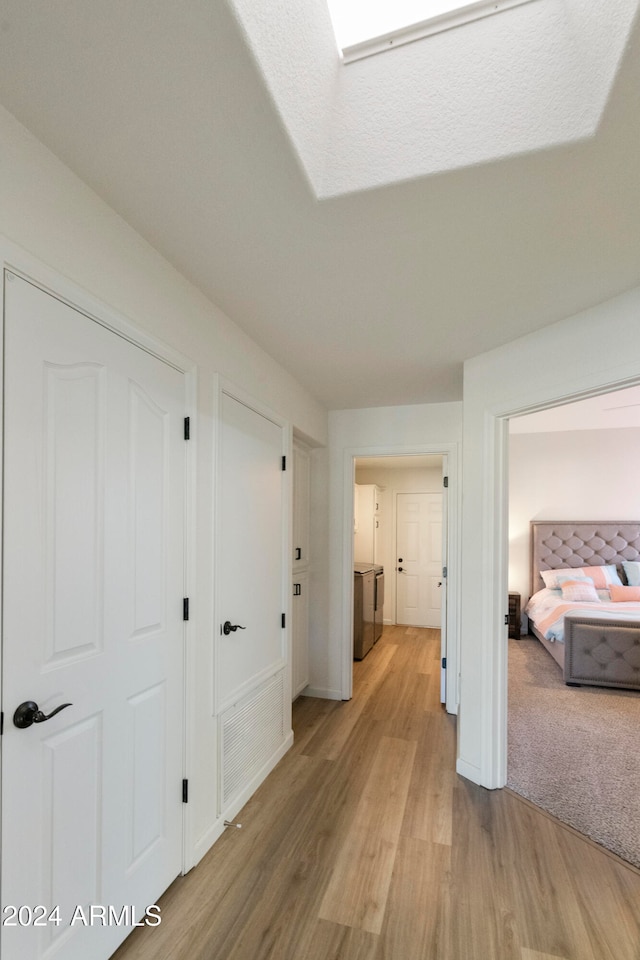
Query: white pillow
{"x": 579, "y": 591}
{"x": 632, "y": 570}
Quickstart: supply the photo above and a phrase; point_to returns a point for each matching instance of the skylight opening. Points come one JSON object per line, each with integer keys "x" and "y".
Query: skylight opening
{"x": 367, "y": 27}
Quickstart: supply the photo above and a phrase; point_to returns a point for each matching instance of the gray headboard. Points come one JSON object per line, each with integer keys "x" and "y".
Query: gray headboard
{"x": 563, "y": 544}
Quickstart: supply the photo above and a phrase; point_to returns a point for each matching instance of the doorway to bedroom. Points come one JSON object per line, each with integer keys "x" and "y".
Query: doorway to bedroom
{"x": 573, "y": 462}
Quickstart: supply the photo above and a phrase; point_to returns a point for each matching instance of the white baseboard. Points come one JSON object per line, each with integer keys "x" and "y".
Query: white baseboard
{"x": 322, "y": 693}
{"x": 468, "y": 770}
{"x": 207, "y": 840}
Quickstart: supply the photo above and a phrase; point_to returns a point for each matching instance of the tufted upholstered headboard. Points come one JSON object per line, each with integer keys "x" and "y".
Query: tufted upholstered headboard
{"x": 563, "y": 544}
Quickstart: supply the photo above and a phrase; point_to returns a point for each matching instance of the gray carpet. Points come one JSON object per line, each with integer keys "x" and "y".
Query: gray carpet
{"x": 575, "y": 751}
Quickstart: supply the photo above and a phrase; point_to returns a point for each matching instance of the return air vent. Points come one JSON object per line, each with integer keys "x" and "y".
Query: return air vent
{"x": 252, "y": 731}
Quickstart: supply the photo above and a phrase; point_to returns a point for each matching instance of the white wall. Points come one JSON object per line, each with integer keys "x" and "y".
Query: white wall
{"x": 391, "y": 482}
{"x": 421, "y": 428}
{"x": 594, "y": 351}
{"x": 48, "y": 211}
{"x": 569, "y": 475}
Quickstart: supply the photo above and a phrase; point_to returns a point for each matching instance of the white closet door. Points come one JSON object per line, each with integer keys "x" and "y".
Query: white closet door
{"x": 250, "y": 550}
{"x": 93, "y": 586}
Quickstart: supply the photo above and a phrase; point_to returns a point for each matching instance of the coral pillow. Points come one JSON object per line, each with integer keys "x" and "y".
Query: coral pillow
{"x": 602, "y": 576}
{"x": 579, "y": 591}
{"x": 623, "y": 594}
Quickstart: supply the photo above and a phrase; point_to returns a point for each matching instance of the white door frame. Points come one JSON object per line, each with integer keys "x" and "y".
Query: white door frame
{"x": 17, "y": 261}
{"x": 493, "y": 772}
{"x": 453, "y": 506}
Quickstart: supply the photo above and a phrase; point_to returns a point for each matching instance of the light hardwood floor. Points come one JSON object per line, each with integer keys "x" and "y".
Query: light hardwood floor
{"x": 364, "y": 844}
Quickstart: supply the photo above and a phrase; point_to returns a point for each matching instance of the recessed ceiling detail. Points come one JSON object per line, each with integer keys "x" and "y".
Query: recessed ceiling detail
{"x": 537, "y": 76}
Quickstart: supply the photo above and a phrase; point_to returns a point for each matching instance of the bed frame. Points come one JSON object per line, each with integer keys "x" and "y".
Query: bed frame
{"x": 604, "y": 653}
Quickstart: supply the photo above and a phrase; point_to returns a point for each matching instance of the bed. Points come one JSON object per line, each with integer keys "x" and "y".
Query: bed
{"x": 595, "y": 642}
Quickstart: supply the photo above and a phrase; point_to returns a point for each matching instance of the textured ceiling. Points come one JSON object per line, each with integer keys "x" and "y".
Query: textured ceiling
{"x": 369, "y": 296}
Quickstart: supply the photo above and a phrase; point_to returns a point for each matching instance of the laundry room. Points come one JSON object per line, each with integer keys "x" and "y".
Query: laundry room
{"x": 398, "y": 539}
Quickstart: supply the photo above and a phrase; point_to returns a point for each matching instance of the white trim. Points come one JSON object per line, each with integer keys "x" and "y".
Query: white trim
{"x": 22, "y": 264}
{"x": 190, "y": 634}
{"x": 427, "y": 28}
{"x": 324, "y": 693}
{"x": 453, "y": 501}
{"x": 34, "y": 271}
{"x": 239, "y": 694}
{"x": 468, "y": 771}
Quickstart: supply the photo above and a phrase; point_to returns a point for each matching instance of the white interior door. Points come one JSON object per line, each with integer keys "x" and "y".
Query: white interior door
{"x": 419, "y": 559}
{"x": 93, "y": 587}
{"x": 250, "y": 550}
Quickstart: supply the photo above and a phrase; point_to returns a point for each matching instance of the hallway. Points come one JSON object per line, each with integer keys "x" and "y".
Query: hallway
{"x": 363, "y": 844}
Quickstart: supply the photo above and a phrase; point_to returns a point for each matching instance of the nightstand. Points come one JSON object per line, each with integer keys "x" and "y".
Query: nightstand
{"x": 514, "y": 616}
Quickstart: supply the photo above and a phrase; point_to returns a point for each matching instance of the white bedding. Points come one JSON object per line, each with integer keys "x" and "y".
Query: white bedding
{"x": 547, "y": 610}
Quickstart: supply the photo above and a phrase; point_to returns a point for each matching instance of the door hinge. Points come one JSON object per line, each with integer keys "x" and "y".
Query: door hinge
{"x": 185, "y": 608}
{"x": 297, "y": 589}
{"x": 185, "y": 791}
{"x": 445, "y": 481}
{"x": 284, "y": 463}
{"x": 283, "y": 621}
{"x": 444, "y": 663}
{"x": 506, "y": 619}
{"x": 187, "y": 428}
{"x": 444, "y": 573}
{"x": 1, "y": 723}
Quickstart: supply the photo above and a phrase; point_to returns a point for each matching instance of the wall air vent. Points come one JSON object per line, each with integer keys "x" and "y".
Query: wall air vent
{"x": 251, "y": 732}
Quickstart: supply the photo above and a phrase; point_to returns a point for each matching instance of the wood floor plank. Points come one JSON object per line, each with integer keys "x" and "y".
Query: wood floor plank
{"x": 400, "y": 702}
{"x": 278, "y": 927}
{"x": 340, "y": 723}
{"x": 428, "y": 657}
{"x": 459, "y": 873}
{"x": 484, "y": 924}
{"x": 600, "y": 891}
{"x": 419, "y": 905}
{"x": 317, "y": 831}
{"x": 543, "y": 900}
{"x": 429, "y": 809}
{"x": 357, "y": 892}
{"x": 535, "y": 955}
{"x": 373, "y": 668}
{"x": 311, "y": 713}
{"x": 332, "y": 941}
